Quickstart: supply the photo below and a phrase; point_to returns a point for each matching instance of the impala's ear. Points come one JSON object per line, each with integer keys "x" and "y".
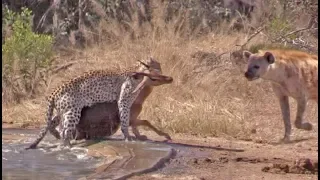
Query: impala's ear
{"x": 269, "y": 56}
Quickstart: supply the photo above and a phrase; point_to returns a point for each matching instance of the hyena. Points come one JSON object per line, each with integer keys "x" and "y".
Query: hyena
{"x": 291, "y": 73}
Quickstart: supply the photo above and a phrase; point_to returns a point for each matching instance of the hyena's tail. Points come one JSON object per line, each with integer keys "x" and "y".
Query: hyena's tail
{"x": 45, "y": 129}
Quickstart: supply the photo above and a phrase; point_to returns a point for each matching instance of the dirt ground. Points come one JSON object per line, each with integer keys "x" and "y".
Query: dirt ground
{"x": 207, "y": 158}
{"x": 217, "y": 158}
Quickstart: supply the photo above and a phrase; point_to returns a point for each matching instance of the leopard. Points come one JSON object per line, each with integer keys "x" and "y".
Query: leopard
{"x": 292, "y": 73}
{"x": 121, "y": 86}
{"x": 102, "y": 119}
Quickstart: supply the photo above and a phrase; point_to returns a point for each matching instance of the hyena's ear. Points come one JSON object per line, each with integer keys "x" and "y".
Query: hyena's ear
{"x": 269, "y": 56}
{"x": 246, "y": 54}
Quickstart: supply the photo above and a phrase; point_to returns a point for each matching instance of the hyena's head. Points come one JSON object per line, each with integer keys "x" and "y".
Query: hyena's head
{"x": 258, "y": 64}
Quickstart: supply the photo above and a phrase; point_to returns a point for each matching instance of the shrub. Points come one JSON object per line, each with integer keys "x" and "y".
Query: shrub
{"x": 26, "y": 56}
{"x": 279, "y": 27}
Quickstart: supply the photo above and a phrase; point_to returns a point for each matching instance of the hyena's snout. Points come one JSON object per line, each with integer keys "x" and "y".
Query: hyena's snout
{"x": 249, "y": 75}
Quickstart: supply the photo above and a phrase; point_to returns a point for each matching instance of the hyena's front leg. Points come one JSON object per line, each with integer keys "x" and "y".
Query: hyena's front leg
{"x": 285, "y": 111}
{"x": 301, "y": 108}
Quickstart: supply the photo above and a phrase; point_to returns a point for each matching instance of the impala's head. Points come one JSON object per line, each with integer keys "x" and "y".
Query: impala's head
{"x": 151, "y": 79}
{"x": 257, "y": 64}
{"x": 153, "y": 68}
{"x": 151, "y": 72}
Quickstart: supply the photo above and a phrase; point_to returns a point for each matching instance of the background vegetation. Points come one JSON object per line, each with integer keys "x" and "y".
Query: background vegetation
{"x": 198, "y": 42}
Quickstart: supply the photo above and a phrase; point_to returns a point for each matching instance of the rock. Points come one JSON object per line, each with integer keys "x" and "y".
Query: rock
{"x": 266, "y": 169}
{"x": 300, "y": 166}
{"x": 209, "y": 160}
{"x": 223, "y": 159}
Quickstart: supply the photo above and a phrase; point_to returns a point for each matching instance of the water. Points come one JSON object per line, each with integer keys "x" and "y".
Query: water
{"x": 45, "y": 162}
{"x": 110, "y": 159}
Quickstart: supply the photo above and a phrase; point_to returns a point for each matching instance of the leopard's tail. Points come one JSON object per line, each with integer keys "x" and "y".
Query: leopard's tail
{"x": 45, "y": 129}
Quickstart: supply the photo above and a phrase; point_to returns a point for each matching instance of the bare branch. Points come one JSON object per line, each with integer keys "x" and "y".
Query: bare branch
{"x": 251, "y": 37}
{"x": 63, "y": 67}
{"x": 222, "y": 54}
{"x": 294, "y": 32}
{"x": 98, "y": 8}
{"x": 52, "y": 7}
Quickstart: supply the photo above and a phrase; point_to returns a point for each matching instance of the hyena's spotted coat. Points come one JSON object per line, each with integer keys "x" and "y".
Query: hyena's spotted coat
{"x": 291, "y": 73}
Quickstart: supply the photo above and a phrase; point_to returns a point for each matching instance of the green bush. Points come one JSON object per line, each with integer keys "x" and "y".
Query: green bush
{"x": 25, "y": 54}
{"x": 279, "y": 27}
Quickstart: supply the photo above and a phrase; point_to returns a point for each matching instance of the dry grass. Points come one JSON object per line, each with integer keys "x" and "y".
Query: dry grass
{"x": 209, "y": 97}
{"x": 214, "y": 102}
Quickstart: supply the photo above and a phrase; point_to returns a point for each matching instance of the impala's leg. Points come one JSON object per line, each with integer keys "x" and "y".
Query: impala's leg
{"x": 146, "y": 123}
{"x": 134, "y": 113}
